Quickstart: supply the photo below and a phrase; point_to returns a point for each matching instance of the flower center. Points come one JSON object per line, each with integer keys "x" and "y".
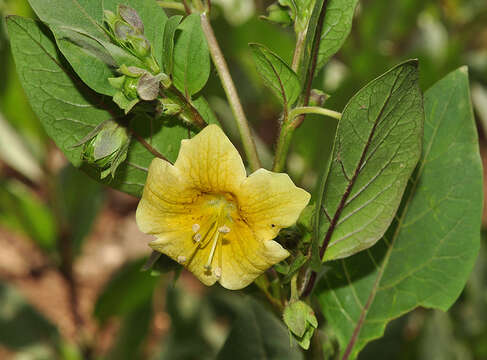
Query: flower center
{"x": 211, "y": 229}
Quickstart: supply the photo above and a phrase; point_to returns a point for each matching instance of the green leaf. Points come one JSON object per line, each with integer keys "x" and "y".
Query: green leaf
{"x": 77, "y": 27}
{"x": 88, "y": 57}
{"x": 336, "y": 28}
{"x": 377, "y": 146}
{"x": 22, "y": 211}
{"x": 429, "y": 251}
{"x": 169, "y": 34}
{"x": 257, "y": 334}
{"x": 126, "y": 291}
{"x": 20, "y": 324}
{"x": 69, "y": 110}
{"x": 277, "y": 75}
{"x": 191, "y": 57}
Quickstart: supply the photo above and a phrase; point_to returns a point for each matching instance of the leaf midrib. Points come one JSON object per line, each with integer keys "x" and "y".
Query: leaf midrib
{"x": 358, "y": 168}
{"x": 390, "y": 245}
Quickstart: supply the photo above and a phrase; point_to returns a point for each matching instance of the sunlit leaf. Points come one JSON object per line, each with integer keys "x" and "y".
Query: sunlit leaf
{"x": 278, "y": 76}
{"x": 377, "y": 146}
{"x": 429, "y": 251}
{"x": 191, "y": 57}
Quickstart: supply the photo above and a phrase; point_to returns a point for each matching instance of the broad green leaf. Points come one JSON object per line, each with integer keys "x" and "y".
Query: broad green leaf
{"x": 22, "y": 211}
{"x": 127, "y": 290}
{"x": 277, "y": 75}
{"x": 377, "y": 146}
{"x": 80, "y": 199}
{"x": 69, "y": 110}
{"x": 20, "y": 324}
{"x": 336, "y": 28}
{"x": 88, "y": 57}
{"x": 191, "y": 57}
{"x": 257, "y": 334}
{"x": 169, "y": 34}
{"x": 77, "y": 27}
{"x": 337, "y": 23}
{"x": 429, "y": 251}
{"x": 132, "y": 334}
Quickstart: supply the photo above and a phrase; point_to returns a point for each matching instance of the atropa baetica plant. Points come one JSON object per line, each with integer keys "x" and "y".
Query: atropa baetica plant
{"x": 394, "y": 219}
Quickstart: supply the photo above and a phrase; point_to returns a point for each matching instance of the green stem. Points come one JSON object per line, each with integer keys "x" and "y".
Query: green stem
{"x": 231, "y": 92}
{"x": 298, "y": 50}
{"x": 313, "y": 110}
{"x": 288, "y": 128}
{"x": 171, "y": 5}
{"x": 292, "y": 123}
{"x": 282, "y": 149}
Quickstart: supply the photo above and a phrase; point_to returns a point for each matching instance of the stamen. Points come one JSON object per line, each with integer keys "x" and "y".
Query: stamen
{"x": 212, "y": 251}
{"x": 224, "y": 229}
{"x": 197, "y": 237}
{"x": 181, "y": 259}
{"x": 218, "y": 272}
{"x": 196, "y": 228}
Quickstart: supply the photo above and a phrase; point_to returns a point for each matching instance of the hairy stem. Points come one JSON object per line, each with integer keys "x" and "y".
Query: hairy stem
{"x": 291, "y": 124}
{"x": 145, "y": 144}
{"x": 231, "y": 92}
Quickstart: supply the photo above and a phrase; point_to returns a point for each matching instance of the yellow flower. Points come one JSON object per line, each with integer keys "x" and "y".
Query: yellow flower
{"x": 213, "y": 219}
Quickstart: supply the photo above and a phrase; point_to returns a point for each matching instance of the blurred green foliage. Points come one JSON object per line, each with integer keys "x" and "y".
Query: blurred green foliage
{"x": 56, "y": 210}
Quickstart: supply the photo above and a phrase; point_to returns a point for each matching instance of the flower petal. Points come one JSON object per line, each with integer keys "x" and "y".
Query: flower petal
{"x": 211, "y": 162}
{"x": 270, "y": 201}
{"x": 167, "y": 201}
{"x": 245, "y": 257}
{"x": 179, "y": 245}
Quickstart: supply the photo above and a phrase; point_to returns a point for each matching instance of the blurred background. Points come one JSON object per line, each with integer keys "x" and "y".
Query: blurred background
{"x": 70, "y": 251}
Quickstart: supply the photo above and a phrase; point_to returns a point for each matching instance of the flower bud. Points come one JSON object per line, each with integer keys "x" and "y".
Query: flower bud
{"x": 317, "y": 97}
{"x": 148, "y": 87}
{"x": 122, "y": 30}
{"x": 131, "y": 17}
{"x": 168, "y": 107}
{"x": 278, "y": 15}
{"x": 140, "y": 45}
{"x": 107, "y": 149}
{"x": 301, "y": 321}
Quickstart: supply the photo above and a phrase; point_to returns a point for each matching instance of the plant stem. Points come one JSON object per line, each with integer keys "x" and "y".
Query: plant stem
{"x": 292, "y": 123}
{"x": 288, "y": 128}
{"x": 298, "y": 51}
{"x": 148, "y": 146}
{"x": 313, "y": 110}
{"x": 171, "y": 5}
{"x": 231, "y": 92}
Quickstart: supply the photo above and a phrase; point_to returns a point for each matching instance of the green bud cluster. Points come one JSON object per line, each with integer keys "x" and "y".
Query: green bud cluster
{"x": 135, "y": 84}
{"x": 301, "y": 322}
{"x": 106, "y": 147}
{"x": 127, "y": 30}
{"x": 278, "y": 14}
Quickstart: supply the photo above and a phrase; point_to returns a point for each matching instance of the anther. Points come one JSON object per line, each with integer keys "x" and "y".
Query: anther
{"x": 197, "y": 237}
{"x": 196, "y": 228}
{"x": 181, "y": 259}
{"x": 224, "y": 229}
